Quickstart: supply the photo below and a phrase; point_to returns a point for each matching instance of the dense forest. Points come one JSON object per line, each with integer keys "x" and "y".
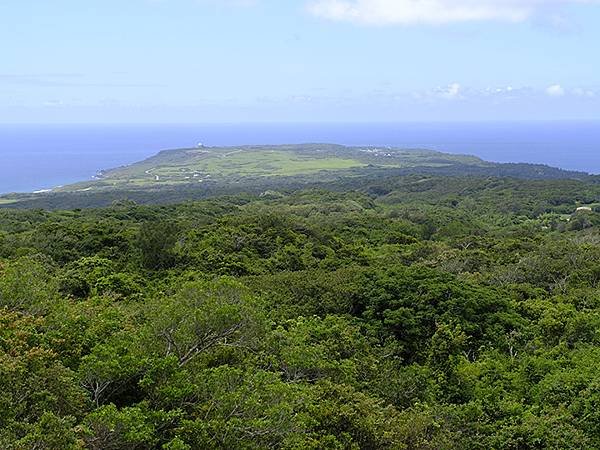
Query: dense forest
{"x": 416, "y": 312}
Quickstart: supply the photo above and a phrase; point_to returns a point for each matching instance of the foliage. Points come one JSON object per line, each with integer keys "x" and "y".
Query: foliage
{"x": 415, "y": 312}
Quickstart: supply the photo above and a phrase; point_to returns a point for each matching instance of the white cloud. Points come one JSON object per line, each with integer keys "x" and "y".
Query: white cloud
{"x": 450, "y": 92}
{"x": 501, "y": 94}
{"x": 556, "y": 90}
{"x": 227, "y": 3}
{"x": 432, "y": 12}
{"x": 453, "y": 91}
{"x": 587, "y": 93}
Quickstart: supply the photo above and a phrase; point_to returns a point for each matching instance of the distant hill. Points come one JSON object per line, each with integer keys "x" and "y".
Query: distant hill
{"x": 175, "y": 175}
{"x": 213, "y": 164}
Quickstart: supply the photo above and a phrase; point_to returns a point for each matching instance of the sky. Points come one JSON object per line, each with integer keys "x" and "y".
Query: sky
{"x": 203, "y": 61}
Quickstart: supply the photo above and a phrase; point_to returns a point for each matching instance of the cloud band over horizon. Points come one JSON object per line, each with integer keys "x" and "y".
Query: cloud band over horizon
{"x": 433, "y": 12}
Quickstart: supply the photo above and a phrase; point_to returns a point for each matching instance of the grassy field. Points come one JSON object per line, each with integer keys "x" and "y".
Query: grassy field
{"x": 196, "y": 165}
{"x": 272, "y": 163}
{"x": 222, "y": 163}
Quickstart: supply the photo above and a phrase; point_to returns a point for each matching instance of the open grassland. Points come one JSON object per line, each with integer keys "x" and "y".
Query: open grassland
{"x": 258, "y": 163}
{"x": 200, "y": 166}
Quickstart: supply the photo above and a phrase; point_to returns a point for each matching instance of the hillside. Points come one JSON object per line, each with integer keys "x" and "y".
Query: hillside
{"x": 238, "y": 164}
{"x": 413, "y": 312}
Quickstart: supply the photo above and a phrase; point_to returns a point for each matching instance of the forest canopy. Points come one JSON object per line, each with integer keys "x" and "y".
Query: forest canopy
{"x": 419, "y": 312}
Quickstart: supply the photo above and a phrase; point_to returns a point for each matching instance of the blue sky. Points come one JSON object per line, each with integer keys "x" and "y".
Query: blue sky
{"x": 298, "y": 60}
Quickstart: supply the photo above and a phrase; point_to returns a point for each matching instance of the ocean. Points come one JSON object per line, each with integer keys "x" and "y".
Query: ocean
{"x": 38, "y": 157}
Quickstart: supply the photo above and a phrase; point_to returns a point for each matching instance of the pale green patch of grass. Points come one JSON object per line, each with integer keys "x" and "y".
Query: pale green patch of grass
{"x": 240, "y": 163}
{"x": 267, "y": 163}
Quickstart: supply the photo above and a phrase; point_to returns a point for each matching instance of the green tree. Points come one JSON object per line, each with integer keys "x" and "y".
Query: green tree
{"x": 201, "y": 317}
{"x": 156, "y": 242}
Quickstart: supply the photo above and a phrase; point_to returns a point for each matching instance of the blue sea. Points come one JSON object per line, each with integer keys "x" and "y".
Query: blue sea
{"x": 37, "y": 157}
